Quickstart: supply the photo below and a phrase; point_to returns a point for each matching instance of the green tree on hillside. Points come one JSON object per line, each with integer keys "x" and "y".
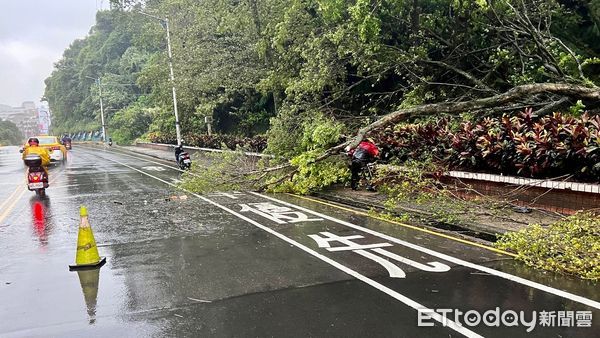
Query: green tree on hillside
{"x": 10, "y": 134}
{"x": 255, "y": 65}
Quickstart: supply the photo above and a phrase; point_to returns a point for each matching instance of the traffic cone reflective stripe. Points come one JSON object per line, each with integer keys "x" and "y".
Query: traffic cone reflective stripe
{"x": 87, "y": 252}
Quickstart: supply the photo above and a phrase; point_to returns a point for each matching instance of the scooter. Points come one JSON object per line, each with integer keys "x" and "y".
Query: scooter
{"x": 184, "y": 160}
{"x": 37, "y": 179}
{"x": 109, "y": 142}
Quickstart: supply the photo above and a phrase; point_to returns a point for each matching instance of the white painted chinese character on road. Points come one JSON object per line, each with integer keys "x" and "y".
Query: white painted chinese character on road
{"x": 328, "y": 237}
{"x": 154, "y": 168}
{"x": 277, "y": 214}
{"x": 366, "y": 250}
{"x": 234, "y": 195}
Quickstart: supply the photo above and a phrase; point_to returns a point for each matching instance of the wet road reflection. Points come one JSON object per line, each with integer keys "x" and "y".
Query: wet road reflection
{"x": 184, "y": 267}
{"x": 89, "y": 280}
{"x": 41, "y": 218}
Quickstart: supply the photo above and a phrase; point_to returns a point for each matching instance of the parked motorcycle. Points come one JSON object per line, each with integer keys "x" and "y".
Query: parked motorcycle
{"x": 37, "y": 178}
{"x": 184, "y": 161}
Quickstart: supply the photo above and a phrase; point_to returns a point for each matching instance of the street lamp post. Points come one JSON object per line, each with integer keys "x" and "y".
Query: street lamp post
{"x": 165, "y": 21}
{"x": 97, "y": 80}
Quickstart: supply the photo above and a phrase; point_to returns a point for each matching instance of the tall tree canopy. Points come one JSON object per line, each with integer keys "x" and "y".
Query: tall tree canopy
{"x": 277, "y": 65}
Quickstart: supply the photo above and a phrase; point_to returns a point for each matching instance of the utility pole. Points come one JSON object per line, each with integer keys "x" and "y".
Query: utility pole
{"x": 97, "y": 81}
{"x": 102, "y": 112}
{"x": 165, "y": 22}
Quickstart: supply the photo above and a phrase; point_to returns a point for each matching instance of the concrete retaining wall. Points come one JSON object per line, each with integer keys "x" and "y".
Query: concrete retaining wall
{"x": 556, "y": 199}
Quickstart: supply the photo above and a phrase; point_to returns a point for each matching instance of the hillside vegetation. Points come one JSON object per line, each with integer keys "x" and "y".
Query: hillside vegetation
{"x": 272, "y": 66}
{"x": 9, "y": 133}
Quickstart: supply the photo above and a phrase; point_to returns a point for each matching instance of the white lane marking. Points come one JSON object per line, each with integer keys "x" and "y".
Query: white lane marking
{"x": 137, "y": 157}
{"x": 448, "y": 258}
{"x": 234, "y": 195}
{"x": 436, "y": 316}
{"x": 10, "y": 197}
{"x": 5, "y": 212}
{"x": 154, "y": 168}
{"x": 67, "y": 186}
{"x": 458, "y": 261}
{"x": 199, "y": 300}
{"x": 9, "y": 207}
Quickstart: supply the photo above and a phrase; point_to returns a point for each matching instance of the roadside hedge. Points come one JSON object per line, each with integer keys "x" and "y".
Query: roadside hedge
{"x": 525, "y": 145}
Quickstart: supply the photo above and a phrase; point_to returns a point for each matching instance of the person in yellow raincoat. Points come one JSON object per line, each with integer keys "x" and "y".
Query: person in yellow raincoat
{"x": 34, "y": 148}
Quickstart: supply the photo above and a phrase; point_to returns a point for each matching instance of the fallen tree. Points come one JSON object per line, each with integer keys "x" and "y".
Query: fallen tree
{"x": 273, "y": 173}
{"x": 489, "y": 59}
{"x": 563, "y": 91}
{"x": 511, "y": 96}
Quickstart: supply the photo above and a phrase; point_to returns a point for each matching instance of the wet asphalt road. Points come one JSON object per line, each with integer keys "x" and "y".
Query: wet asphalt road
{"x": 244, "y": 264}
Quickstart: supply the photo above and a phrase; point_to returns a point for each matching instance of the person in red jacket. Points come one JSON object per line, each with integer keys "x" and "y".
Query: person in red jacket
{"x": 366, "y": 152}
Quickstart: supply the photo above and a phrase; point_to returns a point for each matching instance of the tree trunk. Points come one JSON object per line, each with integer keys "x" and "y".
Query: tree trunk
{"x": 513, "y": 95}
{"x": 415, "y": 22}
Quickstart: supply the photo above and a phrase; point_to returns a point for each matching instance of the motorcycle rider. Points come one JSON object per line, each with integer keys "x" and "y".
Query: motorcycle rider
{"x": 365, "y": 153}
{"x": 34, "y": 148}
{"x": 178, "y": 151}
{"x": 66, "y": 141}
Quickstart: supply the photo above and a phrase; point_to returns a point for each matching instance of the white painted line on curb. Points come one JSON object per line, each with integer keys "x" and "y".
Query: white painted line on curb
{"x": 434, "y": 315}
{"x": 542, "y": 287}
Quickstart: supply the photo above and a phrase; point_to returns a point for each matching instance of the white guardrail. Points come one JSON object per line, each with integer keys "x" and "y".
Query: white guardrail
{"x": 541, "y": 183}
{"x": 169, "y": 147}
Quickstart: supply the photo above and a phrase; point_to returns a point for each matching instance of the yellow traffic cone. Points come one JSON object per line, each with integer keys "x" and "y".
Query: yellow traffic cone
{"x": 87, "y": 253}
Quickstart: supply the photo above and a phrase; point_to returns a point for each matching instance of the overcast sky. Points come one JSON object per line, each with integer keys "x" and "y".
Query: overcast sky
{"x": 33, "y": 36}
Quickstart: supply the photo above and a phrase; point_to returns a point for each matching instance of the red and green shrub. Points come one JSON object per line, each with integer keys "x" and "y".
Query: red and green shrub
{"x": 523, "y": 145}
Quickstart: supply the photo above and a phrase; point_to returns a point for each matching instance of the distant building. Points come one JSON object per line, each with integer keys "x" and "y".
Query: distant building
{"x": 25, "y": 117}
